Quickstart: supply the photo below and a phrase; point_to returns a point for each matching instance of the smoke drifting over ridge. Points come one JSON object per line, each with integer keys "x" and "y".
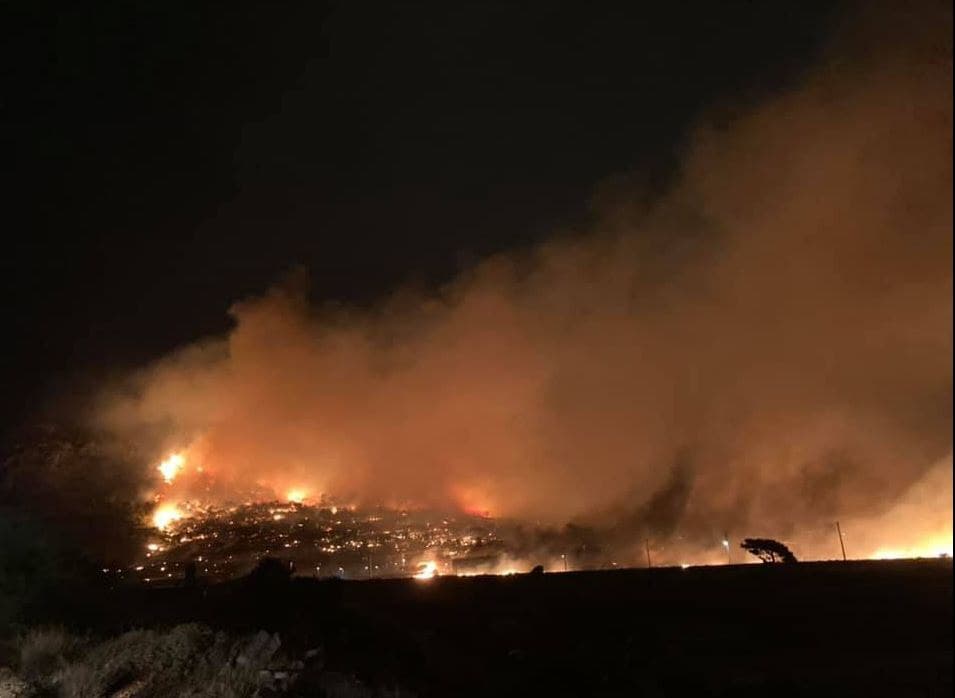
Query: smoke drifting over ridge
{"x": 766, "y": 347}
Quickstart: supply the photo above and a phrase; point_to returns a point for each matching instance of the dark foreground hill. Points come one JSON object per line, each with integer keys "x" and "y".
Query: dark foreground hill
{"x": 856, "y": 628}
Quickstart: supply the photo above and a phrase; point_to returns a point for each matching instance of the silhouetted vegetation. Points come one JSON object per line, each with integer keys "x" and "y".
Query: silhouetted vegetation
{"x": 38, "y": 572}
{"x": 77, "y": 486}
{"x": 768, "y": 550}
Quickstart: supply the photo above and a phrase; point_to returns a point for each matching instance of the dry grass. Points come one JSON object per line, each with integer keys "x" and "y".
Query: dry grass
{"x": 188, "y": 660}
{"x": 44, "y": 652}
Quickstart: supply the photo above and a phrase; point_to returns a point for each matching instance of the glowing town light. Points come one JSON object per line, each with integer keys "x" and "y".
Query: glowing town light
{"x": 166, "y": 515}
{"x": 726, "y": 543}
{"x": 170, "y": 467}
{"x": 426, "y": 570}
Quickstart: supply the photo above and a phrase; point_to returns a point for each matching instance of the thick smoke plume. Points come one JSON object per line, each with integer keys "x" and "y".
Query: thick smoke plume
{"x": 763, "y": 350}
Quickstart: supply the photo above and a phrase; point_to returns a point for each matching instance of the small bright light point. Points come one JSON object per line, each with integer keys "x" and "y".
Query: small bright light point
{"x": 153, "y": 547}
{"x": 726, "y": 543}
{"x": 170, "y": 467}
{"x": 296, "y": 496}
{"x": 684, "y": 566}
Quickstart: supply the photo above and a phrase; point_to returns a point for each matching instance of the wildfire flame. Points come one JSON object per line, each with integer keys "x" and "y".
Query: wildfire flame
{"x": 166, "y": 515}
{"x": 170, "y": 467}
{"x": 427, "y": 570}
{"x": 296, "y": 496}
{"x": 935, "y": 547}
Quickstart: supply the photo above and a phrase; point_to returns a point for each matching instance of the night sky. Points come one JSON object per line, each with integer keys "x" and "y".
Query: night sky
{"x": 167, "y": 159}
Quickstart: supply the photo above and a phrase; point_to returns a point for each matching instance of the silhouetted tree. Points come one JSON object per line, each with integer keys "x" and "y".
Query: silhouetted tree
{"x": 768, "y": 550}
{"x": 270, "y": 572}
{"x": 191, "y": 574}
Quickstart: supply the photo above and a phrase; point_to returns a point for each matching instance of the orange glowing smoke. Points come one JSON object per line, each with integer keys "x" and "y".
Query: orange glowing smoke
{"x": 930, "y": 548}
{"x": 471, "y": 500}
{"x": 764, "y": 348}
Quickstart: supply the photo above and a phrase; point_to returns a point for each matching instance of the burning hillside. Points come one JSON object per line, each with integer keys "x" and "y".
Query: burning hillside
{"x": 320, "y": 540}
{"x": 767, "y": 347}
{"x": 763, "y": 349}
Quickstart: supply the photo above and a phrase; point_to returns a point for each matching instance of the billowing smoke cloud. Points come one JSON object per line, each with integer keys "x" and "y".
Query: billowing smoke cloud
{"x": 763, "y": 350}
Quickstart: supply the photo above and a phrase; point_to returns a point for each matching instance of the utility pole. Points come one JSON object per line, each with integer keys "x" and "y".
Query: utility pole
{"x": 564, "y": 558}
{"x": 726, "y": 544}
{"x": 841, "y": 543}
{"x": 647, "y": 543}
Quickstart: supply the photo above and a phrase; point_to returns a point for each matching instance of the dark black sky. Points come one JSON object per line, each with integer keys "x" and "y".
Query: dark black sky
{"x": 166, "y": 159}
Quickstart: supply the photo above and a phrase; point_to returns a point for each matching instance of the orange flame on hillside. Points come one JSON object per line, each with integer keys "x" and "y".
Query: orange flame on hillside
{"x": 166, "y": 515}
